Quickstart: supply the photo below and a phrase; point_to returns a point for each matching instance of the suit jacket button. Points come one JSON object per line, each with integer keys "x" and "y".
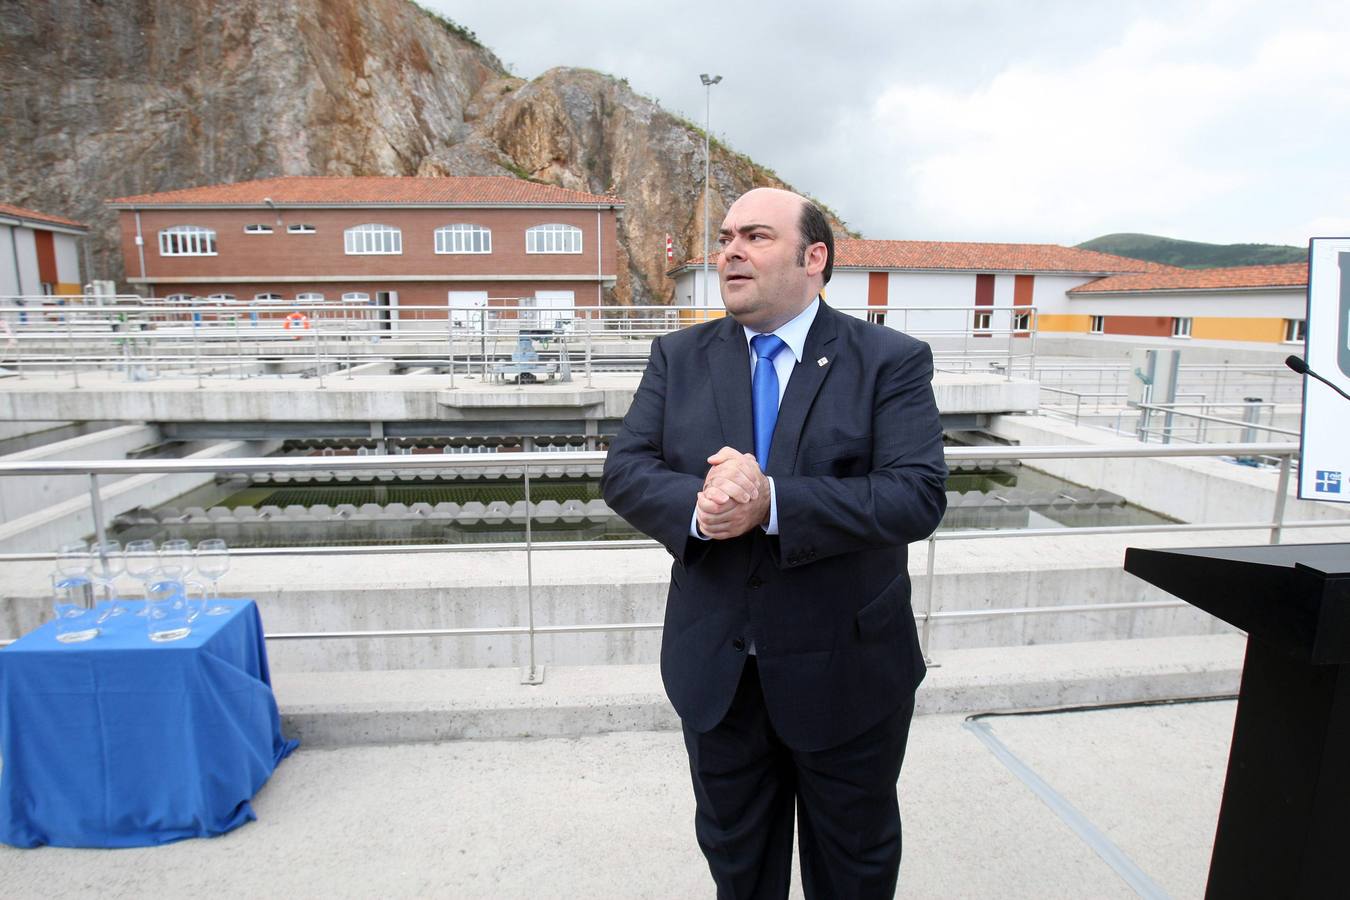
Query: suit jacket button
{"x": 739, "y": 643}
{"x": 755, "y": 582}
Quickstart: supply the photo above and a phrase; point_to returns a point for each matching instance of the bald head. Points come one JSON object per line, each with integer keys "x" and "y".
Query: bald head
{"x": 812, "y": 225}
{"x": 776, "y": 250}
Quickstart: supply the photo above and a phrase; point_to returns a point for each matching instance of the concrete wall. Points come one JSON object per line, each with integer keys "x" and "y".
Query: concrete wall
{"x": 14, "y": 431}
{"x": 467, "y": 590}
{"x": 72, "y": 519}
{"x": 392, "y": 398}
{"x": 23, "y": 495}
{"x": 1196, "y": 351}
{"x": 1195, "y": 490}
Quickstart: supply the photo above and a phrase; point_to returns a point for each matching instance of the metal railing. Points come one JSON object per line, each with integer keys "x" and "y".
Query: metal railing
{"x": 1170, "y": 431}
{"x": 212, "y": 338}
{"x": 532, "y": 462}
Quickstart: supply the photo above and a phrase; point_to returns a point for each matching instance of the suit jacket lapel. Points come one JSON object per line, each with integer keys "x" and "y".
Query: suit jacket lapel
{"x": 729, "y": 366}
{"x": 801, "y": 392}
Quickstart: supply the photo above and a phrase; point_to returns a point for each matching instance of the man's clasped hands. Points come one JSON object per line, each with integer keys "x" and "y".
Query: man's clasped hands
{"x": 735, "y": 495}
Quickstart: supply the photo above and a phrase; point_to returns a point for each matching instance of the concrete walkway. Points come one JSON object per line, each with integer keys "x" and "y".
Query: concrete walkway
{"x": 610, "y": 816}
{"x": 579, "y": 788}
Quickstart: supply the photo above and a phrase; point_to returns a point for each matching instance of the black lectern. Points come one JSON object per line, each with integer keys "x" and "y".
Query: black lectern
{"x": 1284, "y": 826}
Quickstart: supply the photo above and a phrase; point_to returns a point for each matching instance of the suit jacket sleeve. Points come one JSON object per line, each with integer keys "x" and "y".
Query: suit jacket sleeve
{"x": 637, "y": 482}
{"x": 823, "y": 510}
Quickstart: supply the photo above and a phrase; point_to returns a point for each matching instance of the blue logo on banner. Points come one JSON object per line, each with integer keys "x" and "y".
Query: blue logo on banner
{"x": 1328, "y": 482}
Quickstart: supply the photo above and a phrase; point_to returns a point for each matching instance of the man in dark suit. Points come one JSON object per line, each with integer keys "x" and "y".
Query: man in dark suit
{"x": 787, "y": 474}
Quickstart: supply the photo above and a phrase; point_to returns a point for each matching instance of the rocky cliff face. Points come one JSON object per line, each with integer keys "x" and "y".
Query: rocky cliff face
{"x": 104, "y": 98}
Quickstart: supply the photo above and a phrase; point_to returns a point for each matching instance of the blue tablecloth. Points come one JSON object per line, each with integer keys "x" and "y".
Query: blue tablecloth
{"x": 121, "y": 742}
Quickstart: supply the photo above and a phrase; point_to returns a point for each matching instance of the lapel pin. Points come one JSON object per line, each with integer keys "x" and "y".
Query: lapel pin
{"x": 822, "y": 361}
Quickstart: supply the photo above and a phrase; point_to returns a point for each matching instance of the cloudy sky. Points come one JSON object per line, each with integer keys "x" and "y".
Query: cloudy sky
{"x": 1036, "y": 120}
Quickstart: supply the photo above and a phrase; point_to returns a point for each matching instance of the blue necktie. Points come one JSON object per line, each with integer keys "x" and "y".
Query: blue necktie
{"x": 764, "y": 393}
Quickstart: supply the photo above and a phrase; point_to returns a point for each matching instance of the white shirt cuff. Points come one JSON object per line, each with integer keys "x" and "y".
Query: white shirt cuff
{"x": 772, "y": 527}
{"x": 693, "y": 527}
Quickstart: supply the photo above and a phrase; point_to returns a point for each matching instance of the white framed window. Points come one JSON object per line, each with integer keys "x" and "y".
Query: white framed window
{"x": 1295, "y": 331}
{"x": 1098, "y": 325}
{"x": 301, "y": 229}
{"x": 463, "y": 238}
{"x": 309, "y": 297}
{"x": 187, "y": 240}
{"x": 223, "y": 298}
{"x": 257, "y": 229}
{"x": 1181, "y": 326}
{"x": 372, "y": 239}
{"x": 356, "y": 297}
{"x": 178, "y": 298}
{"x": 268, "y": 298}
{"x": 1022, "y": 321}
{"x": 553, "y": 238}
{"x": 984, "y": 321}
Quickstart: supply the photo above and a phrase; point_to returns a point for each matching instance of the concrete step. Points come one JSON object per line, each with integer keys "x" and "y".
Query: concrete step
{"x": 335, "y": 709}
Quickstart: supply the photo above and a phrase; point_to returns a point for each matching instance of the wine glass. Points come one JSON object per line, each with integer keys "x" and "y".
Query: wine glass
{"x": 72, "y": 560}
{"x": 107, "y": 562}
{"x": 213, "y": 561}
{"x": 142, "y": 560}
{"x": 175, "y": 558}
{"x": 72, "y": 569}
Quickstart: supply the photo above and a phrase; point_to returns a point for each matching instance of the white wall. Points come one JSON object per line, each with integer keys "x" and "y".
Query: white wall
{"x": 689, "y": 289}
{"x": 848, "y": 291}
{"x": 940, "y": 289}
{"x": 1050, "y": 293}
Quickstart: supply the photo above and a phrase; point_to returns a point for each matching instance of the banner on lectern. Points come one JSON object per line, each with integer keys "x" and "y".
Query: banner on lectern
{"x": 1324, "y": 467}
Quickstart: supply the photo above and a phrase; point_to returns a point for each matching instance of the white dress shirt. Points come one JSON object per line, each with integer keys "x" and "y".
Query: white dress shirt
{"x": 794, "y": 335}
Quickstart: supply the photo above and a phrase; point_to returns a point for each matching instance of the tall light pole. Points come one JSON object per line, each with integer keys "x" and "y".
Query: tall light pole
{"x": 708, "y": 82}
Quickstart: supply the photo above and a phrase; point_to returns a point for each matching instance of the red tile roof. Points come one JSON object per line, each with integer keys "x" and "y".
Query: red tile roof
{"x": 376, "y": 191}
{"x": 1290, "y": 275}
{"x": 963, "y": 256}
{"x": 19, "y": 212}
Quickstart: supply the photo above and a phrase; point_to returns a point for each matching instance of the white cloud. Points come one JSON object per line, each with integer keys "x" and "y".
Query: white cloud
{"x": 1056, "y": 121}
{"x": 1146, "y": 131}
{"x": 1322, "y": 226}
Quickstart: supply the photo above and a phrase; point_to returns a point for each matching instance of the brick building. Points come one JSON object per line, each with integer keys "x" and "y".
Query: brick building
{"x": 398, "y": 242}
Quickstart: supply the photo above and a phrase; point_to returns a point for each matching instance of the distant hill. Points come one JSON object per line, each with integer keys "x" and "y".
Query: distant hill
{"x": 1193, "y": 254}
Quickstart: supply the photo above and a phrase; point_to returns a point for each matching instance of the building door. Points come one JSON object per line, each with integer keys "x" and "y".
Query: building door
{"x": 386, "y": 309}
{"x": 463, "y": 306}
{"x": 555, "y": 308}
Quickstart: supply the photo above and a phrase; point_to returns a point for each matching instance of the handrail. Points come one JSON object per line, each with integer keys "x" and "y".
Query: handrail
{"x": 577, "y": 458}
{"x": 527, "y": 461}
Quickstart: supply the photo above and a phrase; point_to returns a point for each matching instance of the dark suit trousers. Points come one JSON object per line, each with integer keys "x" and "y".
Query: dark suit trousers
{"x": 747, "y": 784}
